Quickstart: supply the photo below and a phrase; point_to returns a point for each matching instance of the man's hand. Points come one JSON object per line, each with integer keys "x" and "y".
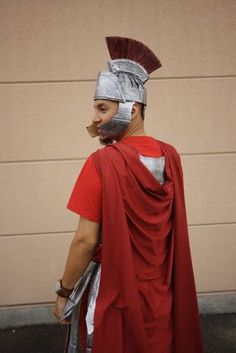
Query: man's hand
{"x": 59, "y": 309}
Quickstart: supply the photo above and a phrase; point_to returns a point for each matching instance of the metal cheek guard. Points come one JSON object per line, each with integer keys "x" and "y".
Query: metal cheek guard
{"x": 114, "y": 128}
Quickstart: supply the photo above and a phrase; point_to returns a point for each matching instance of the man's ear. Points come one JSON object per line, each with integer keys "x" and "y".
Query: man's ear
{"x": 134, "y": 111}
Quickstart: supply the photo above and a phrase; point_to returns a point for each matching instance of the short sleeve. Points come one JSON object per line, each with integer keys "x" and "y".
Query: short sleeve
{"x": 86, "y": 197}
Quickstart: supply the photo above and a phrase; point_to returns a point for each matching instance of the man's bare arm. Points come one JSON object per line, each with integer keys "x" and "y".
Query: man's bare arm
{"x": 81, "y": 251}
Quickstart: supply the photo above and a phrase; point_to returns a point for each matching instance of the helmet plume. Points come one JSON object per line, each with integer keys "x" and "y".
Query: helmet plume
{"x": 127, "y": 48}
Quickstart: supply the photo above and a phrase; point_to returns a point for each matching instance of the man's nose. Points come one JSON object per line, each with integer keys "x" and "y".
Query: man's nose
{"x": 96, "y": 118}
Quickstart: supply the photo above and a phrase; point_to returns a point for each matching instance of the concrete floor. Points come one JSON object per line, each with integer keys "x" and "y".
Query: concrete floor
{"x": 219, "y": 335}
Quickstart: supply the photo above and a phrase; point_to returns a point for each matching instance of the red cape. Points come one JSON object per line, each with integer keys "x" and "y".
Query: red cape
{"x": 147, "y": 295}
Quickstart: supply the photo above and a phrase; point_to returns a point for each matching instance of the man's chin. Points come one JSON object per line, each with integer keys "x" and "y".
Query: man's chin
{"x": 106, "y": 140}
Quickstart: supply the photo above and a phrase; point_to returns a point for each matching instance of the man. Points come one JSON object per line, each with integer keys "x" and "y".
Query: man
{"x": 138, "y": 295}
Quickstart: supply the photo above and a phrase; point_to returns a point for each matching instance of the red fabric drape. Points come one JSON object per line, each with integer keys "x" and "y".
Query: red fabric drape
{"x": 147, "y": 298}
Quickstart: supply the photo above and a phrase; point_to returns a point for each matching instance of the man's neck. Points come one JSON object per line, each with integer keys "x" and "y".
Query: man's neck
{"x": 134, "y": 130}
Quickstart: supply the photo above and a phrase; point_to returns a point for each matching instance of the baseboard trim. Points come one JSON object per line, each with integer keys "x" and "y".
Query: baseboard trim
{"x": 220, "y": 303}
{"x": 26, "y": 315}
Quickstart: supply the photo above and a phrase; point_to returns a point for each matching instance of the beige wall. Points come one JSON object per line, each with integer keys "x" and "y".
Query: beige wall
{"x": 50, "y": 54}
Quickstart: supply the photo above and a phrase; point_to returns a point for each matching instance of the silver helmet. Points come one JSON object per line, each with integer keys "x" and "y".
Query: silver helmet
{"x": 129, "y": 68}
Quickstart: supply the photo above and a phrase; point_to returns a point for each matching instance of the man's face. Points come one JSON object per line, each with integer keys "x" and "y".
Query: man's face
{"x": 104, "y": 110}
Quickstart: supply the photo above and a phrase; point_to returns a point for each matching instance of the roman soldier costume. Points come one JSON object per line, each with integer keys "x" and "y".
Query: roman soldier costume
{"x": 138, "y": 294}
